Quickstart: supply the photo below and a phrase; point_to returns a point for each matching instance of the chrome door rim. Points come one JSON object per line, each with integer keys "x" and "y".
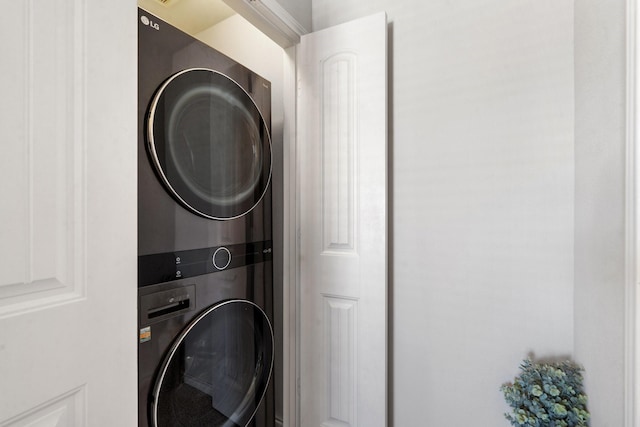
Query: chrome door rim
{"x": 151, "y": 143}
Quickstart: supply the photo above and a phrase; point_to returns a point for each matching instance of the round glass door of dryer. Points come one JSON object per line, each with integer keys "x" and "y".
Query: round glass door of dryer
{"x": 209, "y": 144}
{"x": 217, "y": 371}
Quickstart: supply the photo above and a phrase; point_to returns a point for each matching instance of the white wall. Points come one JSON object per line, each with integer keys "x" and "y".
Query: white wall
{"x": 600, "y": 172}
{"x": 238, "y": 39}
{"x": 482, "y": 197}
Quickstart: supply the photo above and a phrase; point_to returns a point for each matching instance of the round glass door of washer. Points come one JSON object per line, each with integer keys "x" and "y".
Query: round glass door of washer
{"x": 218, "y": 369}
{"x": 209, "y": 144}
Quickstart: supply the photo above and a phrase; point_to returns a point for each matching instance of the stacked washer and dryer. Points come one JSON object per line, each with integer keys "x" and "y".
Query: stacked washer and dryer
{"x": 205, "y": 297}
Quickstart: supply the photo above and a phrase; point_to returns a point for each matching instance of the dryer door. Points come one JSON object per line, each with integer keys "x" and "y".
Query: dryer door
{"x": 209, "y": 143}
{"x": 217, "y": 371}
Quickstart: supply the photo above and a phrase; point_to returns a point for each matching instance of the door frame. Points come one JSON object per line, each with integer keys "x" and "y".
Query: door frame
{"x": 291, "y": 246}
{"x": 632, "y": 219}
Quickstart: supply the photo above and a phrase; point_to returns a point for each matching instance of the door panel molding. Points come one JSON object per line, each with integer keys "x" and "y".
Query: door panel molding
{"x": 339, "y": 135}
{"x": 341, "y": 331}
{"x": 66, "y": 410}
{"x": 44, "y": 227}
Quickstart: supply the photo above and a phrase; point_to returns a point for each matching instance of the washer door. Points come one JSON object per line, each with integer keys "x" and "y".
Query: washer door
{"x": 217, "y": 371}
{"x": 209, "y": 143}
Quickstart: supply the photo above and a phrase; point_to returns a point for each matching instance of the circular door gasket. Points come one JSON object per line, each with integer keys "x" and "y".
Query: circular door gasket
{"x": 217, "y": 371}
{"x": 209, "y": 144}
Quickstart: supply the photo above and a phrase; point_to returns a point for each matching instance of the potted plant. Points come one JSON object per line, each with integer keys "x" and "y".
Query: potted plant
{"x": 547, "y": 395}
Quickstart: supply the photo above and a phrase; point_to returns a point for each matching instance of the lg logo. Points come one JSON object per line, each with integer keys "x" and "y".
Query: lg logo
{"x": 147, "y": 21}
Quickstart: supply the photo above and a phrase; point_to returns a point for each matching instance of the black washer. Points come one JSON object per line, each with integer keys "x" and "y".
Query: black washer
{"x": 218, "y": 369}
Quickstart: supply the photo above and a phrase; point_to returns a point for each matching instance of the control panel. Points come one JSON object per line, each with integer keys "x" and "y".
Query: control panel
{"x": 166, "y": 267}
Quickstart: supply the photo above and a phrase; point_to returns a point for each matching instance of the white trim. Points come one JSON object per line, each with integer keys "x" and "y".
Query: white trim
{"x": 270, "y": 18}
{"x": 290, "y": 245}
{"x": 631, "y": 365}
{"x": 278, "y": 16}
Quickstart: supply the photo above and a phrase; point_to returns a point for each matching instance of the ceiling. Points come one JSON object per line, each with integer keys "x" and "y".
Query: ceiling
{"x": 191, "y": 16}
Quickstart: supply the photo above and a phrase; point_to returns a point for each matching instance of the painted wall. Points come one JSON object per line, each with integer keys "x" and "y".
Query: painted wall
{"x": 238, "y": 39}
{"x": 600, "y": 173}
{"x": 482, "y": 146}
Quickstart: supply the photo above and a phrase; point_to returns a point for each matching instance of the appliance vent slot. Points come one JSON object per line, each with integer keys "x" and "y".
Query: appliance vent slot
{"x": 169, "y": 308}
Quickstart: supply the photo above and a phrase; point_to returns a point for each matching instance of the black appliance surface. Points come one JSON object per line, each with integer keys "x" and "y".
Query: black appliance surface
{"x": 204, "y": 148}
{"x": 202, "y": 363}
{"x": 205, "y": 274}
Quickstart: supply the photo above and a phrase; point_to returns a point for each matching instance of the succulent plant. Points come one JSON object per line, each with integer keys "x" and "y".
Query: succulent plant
{"x": 547, "y": 395}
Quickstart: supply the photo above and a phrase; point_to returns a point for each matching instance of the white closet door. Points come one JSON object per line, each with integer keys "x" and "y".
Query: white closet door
{"x": 68, "y": 214}
{"x": 342, "y": 140}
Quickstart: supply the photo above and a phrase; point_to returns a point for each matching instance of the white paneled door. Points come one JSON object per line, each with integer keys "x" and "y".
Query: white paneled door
{"x": 68, "y": 214}
{"x": 342, "y": 140}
